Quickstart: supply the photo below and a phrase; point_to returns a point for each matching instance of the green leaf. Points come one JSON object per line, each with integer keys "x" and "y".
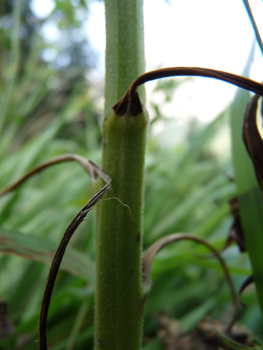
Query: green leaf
{"x": 43, "y": 250}
{"x": 249, "y": 193}
{"x": 232, "y": 344}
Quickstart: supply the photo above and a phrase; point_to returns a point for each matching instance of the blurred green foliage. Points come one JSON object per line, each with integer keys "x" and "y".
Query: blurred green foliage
{"x": 47, "y": 109}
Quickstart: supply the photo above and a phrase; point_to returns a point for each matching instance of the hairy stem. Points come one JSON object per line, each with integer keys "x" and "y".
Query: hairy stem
{"x": 124, "y": 48}
{"x": 119, "y": 296}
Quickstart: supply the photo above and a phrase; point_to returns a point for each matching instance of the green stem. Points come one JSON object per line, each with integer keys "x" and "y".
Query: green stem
{"x": 124, "y": 47}
{"x": 119, "y": 295}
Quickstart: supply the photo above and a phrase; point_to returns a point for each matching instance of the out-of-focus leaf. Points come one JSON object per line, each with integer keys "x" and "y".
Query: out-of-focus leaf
{"x": 5, "y": 325}
{"x": 252, "y": 138}
{"x": 236, "y": 233}
{"x": 155, "y": 344}
{"x": 243, "y": 286}
{"x": 186, "y": 208}
{"x": 192, "y": 318}
{"x": 252, "y": 200}
{"x": 249, "y": 194}
{"x": 232, "y": 344}
{"x": 43, "y": 250}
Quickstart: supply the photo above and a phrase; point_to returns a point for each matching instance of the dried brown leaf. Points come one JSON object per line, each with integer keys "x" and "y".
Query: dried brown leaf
{"x": 252, "y": 138}
{"x": 175, "y": 237}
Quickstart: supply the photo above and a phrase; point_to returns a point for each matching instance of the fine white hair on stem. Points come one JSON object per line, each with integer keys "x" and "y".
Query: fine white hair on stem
{"x": 117, "y": 199}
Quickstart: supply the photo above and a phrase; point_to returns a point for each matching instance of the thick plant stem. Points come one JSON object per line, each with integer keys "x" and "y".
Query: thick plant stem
{"x": 119, "y": 296}
{"x": 124, "y": 48}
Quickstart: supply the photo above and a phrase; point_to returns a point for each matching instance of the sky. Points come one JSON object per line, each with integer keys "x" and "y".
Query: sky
{"x": 204, "y": 33}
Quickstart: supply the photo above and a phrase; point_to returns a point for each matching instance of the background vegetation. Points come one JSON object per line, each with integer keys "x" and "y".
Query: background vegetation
{"x": 48, "y": 108}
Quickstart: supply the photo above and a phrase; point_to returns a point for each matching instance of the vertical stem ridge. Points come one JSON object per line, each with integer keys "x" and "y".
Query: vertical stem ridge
{"x": 124, "y": 48}
{"x": 119, "y": 296}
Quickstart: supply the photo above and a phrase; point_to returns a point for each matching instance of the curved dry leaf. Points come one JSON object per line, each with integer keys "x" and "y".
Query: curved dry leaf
{"x": 131, "y": 102}
{"x": 236, "y": 232}
{"x": 94, "y": 171}
{"x": 6, "y": 326}
{"x": 88, "y": 166}
{"x": 61, "y": 250}
{"x": 252, "y": 138}
{"x": 175, "y": 237}
{"x": 249, "y": 280}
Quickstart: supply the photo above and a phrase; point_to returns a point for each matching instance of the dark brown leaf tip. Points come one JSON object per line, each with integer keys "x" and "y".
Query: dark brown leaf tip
{"x": 249, "y": 280}
{"x": 130, "y": 105}
{"x": 6, "y": 326}
{"x": 252, "y": 138}
{"x": 236, "y": 232}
